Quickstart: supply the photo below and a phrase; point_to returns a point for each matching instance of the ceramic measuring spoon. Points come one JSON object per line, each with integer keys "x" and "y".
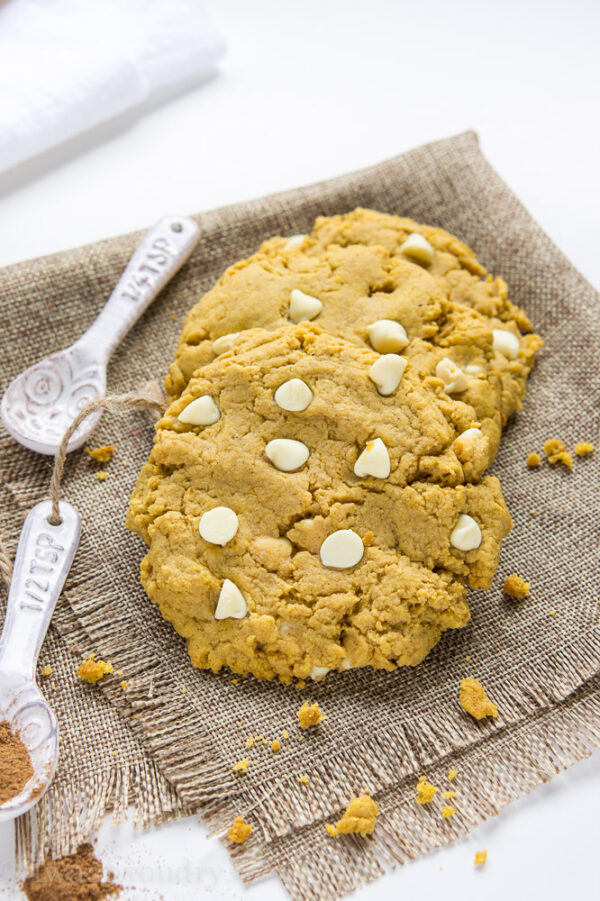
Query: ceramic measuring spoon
{"x": 43, "y": 559}
{"x": 40, "y": 404}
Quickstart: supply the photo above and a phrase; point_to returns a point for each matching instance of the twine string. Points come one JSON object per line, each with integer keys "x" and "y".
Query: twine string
{"x": 150, "y": 398}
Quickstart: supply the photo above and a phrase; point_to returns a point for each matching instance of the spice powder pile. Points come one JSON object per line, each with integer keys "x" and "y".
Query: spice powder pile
{"x": 77, "y": 877}
{"x": 15, "y": 766}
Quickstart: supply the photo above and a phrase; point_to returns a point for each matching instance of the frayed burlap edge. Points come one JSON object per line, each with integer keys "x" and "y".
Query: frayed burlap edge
{"x": 491, "y": 775}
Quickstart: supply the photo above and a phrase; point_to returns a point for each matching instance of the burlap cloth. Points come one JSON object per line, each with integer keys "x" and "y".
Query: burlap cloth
{"x": 168, "y": 751}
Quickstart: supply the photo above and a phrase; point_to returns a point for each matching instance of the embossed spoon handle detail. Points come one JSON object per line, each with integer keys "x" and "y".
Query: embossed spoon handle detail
{"x": 43, "y": 559}
{"x": 161, "y": 253}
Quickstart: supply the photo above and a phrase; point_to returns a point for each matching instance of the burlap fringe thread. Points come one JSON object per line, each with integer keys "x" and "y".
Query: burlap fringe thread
{"x": 524, "y": 755}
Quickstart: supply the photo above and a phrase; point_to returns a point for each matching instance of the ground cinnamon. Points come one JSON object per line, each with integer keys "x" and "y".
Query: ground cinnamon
{"x": 77, "y": 877}
{"x": 15, "y": 766}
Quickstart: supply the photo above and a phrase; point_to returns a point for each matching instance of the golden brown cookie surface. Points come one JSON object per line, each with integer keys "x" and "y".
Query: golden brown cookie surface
{"x": 316, "y": 497}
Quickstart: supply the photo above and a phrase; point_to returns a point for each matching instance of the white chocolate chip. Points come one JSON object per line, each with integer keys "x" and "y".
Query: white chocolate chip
{"x": 474, "y": 369}
{"x": 224, "y": 343}
{"x": 466, "y": 534}
{"x": 342, "y": 549}
{"x": 294, "y": 241}
{"x": 231, "y": 603}
{"x": 303, "y": 306}
{"x": 219, "y": 525}
{"x": 466, "y": 441}
{"x": 202, "y": 411}
{"x": 452, "y": 375}
{"x": 374, "y": 461}
{"x": 386, "y": 372}
{"x": 294, "y": 395}
{"x": 387, "y": 336}
{"x": 418, "y": 247}
{"x": 287, "y": 454}
{"x": 506, "y": 343}
{"x": 319, "y": 672}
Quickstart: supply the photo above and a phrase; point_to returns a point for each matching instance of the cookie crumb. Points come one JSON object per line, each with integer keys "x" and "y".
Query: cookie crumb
{"x": 310, "y": 715}
{"x": 480, "y": 858}
{"x": 368, "y": 539}
{"x": 101, "y": 454}
{"x": 449, "y": 795}
{"x": 468, "y": 658}
{"x": 553, "y": 613}
{"x": 241, "y": 766}
{"x": 452, "y": 775}
{"x": 46, "y": 671}
{"x": 235, "y": 681}
{"x": 240, "y": 831}
{"x": 92, "y": 670}
{"x": 124, "y": 684}
{"x": 359, "y": 817}
{"x": 250, "y": 741}
{"x": 584, "y": 448}
{"x": 474, "y": 700}
{"x": 425, "y": 791}
{"x": 183, "y": 690}
{"x": 556, "y": 452}
{"x": 303, "y": 780}
{"x": 275, "y": 745}
{"x": 285, "y": 733}
{"x": 300, "y": 684}
{"x": 101, "y": 476}
{"x": 448, "y": 811}
{"x": 533, "y": 512}
{"x": 533, "y": 460}
{"x": 516, "y": 587}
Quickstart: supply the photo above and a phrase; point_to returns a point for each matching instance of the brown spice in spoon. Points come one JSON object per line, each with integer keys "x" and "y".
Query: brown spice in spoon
{"x": 77, "y": 877}
{"x": 15, "y": 766}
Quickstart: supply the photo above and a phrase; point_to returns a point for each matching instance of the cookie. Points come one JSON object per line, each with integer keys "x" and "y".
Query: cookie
{"x": 316, "y": 497}
{"x": 358, "y": 269}
{"x": 352, "y": 523}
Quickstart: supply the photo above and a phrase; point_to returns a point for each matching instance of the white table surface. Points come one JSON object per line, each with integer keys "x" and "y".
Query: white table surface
{"x": 309, "y": 90}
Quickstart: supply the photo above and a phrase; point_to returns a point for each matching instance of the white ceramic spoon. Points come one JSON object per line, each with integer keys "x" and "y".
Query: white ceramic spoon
{"x": 43, "y": 559}
{"x": 42, "y": 401}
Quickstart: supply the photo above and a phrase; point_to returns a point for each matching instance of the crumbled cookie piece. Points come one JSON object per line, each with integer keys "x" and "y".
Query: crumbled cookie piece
{"x": 101, "y": 476}
{"x": 124, "y": 684}
{"x": 241, "y": 766}
{"x": 46, "y": 671}
{"x": 584, "y": 448}
{"x": 452, "y": 775}
{"x": 515, "y": 586}
{"x": 480, "y": 858}
{"x": 275, "y": 745}
{"x": 556, "y": 452}
{"x": 360, "y": 817}
{"x": 92, "y": 670}
{"x": 310, "y": 715}
{"x": 448, "y": 811}
{"x": 285, "y": 733}
{"x": 533, "y": 460}
{"x": 240, "y": 831}
{"x": 474, "y": 700}
{"x": 425, "y": 791}
{"x": 250, "y": 741}
{"x": 101, "y": 454}
{"x": 449, "y": 795}
{"x": 303, "y": 780}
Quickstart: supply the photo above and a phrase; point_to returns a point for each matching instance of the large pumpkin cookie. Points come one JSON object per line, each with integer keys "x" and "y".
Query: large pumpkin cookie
{"x": 362, "y": 267}
{"x": 299, "y": 520}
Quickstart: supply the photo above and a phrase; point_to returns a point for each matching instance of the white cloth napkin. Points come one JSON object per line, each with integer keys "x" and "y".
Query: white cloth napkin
{"x": 68, "y": 65}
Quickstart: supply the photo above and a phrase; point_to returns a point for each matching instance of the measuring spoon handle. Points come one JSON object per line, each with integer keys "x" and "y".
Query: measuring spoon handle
{"x": 44, "y": 556}
{"x": 162, "y": 252}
